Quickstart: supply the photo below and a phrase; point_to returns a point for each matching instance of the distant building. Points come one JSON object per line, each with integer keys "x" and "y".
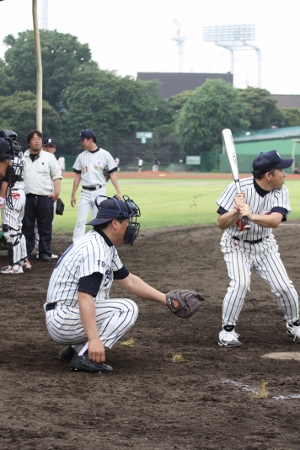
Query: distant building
{"x": 287, "y": 101}
{"x": 173, "y": 83}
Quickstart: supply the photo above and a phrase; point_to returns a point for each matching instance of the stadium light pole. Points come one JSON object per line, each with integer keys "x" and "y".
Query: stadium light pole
{"x": 39, "y": 70}
{"x": 233, "y": 38}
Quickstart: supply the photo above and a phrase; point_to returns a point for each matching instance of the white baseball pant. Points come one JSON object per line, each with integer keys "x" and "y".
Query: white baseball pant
{"x": 265, "y": 259}
{"x": 85, "y": 205}
{"x": 12, "y": 227}
{"x": 114, "y": 318}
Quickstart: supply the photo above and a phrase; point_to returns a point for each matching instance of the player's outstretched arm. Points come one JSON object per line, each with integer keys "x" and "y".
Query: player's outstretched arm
{"x": 138, "y": 287}
{"x": 181, "y": 302}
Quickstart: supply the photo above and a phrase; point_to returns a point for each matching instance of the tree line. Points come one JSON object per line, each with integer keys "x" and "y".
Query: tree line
{"x": 77, "y": 94}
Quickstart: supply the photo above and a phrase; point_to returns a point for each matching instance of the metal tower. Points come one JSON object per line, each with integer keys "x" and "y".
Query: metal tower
{"x": 233, "y": 38}
{"x": 180, "y": 42}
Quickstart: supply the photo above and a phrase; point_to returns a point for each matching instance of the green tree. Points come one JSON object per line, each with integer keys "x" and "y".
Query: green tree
{"x": 7, "y": 81}
{"x": 18, "y": 113}
{"x": 291, "y": 117}
{"x": 62, "y": 54}
{"x": 213, "y": 106}
{"x": 109, "y": 104}
{"x": 177, "y": 101}
{"x": 170, "y": 110}
{"x": 260, "y": 108}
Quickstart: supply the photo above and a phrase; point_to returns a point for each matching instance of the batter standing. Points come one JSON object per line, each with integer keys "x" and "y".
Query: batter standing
{"x": 265, "y": 201}
{"x": 89, "y": 169}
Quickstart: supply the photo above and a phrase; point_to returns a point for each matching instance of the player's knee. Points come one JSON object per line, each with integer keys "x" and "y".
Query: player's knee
{"x": 132, "y": 309}
{"x": 241, "y": 285}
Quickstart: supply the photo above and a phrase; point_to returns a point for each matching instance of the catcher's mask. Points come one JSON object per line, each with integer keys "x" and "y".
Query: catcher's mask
{"x": 113, "y": 208}
{"x": 13, "y": 151}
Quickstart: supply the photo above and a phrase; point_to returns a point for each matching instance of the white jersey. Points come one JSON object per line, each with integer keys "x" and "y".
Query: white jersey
{"x": 278, "y": 198}
{"x": 91, "y": 165}
{"x": 88, "y": 255}
{"x": 39, "y": 174}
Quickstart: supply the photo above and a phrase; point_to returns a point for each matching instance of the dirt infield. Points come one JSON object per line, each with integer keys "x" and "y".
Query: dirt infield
{"x": 173, "y": 388}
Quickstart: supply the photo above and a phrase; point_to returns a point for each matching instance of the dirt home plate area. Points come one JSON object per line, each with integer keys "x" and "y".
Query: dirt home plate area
{"x": 172, "y": 387}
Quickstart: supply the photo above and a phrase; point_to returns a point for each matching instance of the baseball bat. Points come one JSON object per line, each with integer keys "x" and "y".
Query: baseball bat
{"x": 231, "y": 154}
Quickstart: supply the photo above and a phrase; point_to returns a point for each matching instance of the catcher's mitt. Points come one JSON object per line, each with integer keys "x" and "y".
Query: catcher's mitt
{"x": 60, "y": 206}
{"x": 183, "y": 302}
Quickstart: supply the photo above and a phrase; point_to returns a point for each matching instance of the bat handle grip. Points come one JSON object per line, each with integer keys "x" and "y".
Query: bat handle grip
{"x": 246, "y": 222}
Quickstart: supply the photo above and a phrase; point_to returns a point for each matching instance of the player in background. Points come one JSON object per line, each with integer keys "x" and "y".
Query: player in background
{"x": 62, "y": 163}
{"x": 156, "y": 163}
{"x": 79, "y": 311}
{"x": 93, "y": 168}
{"x": 12, "y": 216}
{"x": 49, "y": 145}
{"x": 140, "y": 164}
{"x": 42, "y": 176}
{"x": 117, "y": 161}
{"x": 12, "y": 210}
{"x": 265, "y": 201}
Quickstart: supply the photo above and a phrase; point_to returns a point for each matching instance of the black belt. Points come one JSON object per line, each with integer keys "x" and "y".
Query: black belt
{"x": 249, "y": 242}
{"x": 91, "y": 188}
{"x": 35, "y": 195}
{"x": 50, "y": 306}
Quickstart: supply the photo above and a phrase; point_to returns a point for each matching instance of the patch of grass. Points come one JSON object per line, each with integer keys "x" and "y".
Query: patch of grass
{"x": 167, "y": 202}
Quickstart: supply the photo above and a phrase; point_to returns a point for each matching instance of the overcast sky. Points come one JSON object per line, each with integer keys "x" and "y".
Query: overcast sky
{"x": 130, "y": 36}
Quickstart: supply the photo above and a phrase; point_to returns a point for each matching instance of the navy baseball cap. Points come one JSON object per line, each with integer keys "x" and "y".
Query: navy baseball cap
{"x": 110, "y": 209}
{"x": 50, "y": 141}
{"x": 86, "y": 134}
{"x": 267, "y": 161}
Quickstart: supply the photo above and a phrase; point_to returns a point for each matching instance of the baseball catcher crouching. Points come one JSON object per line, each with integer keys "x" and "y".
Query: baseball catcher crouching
{"x": 79, "y": 311}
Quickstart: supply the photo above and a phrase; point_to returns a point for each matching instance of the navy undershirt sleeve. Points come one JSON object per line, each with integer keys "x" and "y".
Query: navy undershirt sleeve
{"x": 121, "y": 274}
{"x": 280, "y": 210}
{"x": 90, "y": 284}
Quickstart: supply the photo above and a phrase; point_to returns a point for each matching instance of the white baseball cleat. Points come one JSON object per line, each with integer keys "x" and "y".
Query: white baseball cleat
{"x": 12, "y": 270}
{"x": 293, "y": 331}
{"x": 26, "y": 264}
{"x": 229, "y": 339}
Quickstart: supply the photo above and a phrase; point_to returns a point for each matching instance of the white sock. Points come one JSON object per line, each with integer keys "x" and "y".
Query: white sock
{"x": 83, "y": 349}
{"x": 78, "y": 347}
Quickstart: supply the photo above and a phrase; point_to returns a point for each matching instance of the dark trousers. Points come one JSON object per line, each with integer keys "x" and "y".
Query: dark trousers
{"x": 38, "y": 207}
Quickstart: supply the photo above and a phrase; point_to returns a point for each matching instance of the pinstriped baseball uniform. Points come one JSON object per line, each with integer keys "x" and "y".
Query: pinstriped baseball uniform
{"x": 90, "y": 164}
{"x": 114, "y": 316}
{"x": 263, "y": 256}
{"x": 12, "y": 223}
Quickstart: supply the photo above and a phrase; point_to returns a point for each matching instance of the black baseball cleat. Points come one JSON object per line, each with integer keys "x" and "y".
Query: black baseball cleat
{"x": 45, "y": 257}
{"x": 83, "y": 363}
{"x": 67, "y": 354}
